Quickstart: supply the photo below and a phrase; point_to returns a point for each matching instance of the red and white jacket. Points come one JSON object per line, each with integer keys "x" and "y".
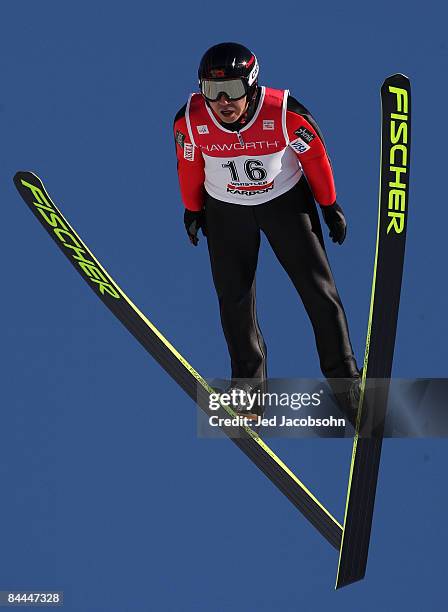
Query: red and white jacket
{"x": 261, "y": 161}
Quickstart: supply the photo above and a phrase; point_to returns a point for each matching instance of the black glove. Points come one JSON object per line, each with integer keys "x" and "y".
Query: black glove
{"x": 194, "y": 220}
{"x": 334, "y": 218}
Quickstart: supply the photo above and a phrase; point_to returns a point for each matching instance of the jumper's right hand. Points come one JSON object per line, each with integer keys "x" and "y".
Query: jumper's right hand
{"x": 194, "y": 220}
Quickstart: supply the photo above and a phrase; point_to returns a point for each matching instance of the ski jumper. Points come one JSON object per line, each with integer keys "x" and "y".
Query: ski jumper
{"x": 264, "y": 175}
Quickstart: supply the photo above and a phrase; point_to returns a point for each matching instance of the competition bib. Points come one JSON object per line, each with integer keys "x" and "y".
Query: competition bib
{"x": 253, "y": 165}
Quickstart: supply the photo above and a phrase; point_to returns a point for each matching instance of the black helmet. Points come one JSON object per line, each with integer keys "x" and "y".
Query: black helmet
{"x": 228, "y": 62}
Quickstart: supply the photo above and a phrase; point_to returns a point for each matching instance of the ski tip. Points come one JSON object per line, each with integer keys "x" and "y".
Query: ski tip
{"x": 26, "y": 175}
{"x": 17, "y": 176}
{"x": 398, "y": 77}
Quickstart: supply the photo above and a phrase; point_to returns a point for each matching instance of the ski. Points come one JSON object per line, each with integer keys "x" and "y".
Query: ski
{"x": 36, "y": 197}
{"x": 382, "y": 326}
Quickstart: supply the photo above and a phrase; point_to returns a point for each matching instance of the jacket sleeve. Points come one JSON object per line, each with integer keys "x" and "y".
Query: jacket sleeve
{"x": 190, "y": 165}
{"x": 306, "y": 140}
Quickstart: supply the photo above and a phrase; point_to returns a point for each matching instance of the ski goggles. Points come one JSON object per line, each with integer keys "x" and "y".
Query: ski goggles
{"x": 234, "y": 89}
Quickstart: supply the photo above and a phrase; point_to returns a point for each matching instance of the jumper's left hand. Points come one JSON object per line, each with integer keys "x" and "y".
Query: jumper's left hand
{"x": 335, "y": 220}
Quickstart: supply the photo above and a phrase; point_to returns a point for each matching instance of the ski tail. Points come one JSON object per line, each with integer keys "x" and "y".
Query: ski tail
{"x": 382, "y": 327}
{"x": 36, "y": 197}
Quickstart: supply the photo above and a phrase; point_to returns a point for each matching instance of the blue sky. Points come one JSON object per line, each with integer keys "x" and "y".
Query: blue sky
{"x": 107, "y": 493}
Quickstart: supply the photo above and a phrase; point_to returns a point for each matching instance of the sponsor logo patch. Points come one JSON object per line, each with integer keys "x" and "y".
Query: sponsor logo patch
{"x": 253, "y": 73}
{"x": 305, "y": 134}
{"x": 189, "y": 151}
{"x": 299, "y": 146}
{"x": 268, "y": 124}
{"x": 180, "y": 138}
{"x": 202, "y": 129}
{"x": 216, "y": 73}
{"x": 249, "y": 189}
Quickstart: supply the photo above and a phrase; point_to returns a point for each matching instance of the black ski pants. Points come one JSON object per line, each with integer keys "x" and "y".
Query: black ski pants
{"x": 292, "y": 226}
